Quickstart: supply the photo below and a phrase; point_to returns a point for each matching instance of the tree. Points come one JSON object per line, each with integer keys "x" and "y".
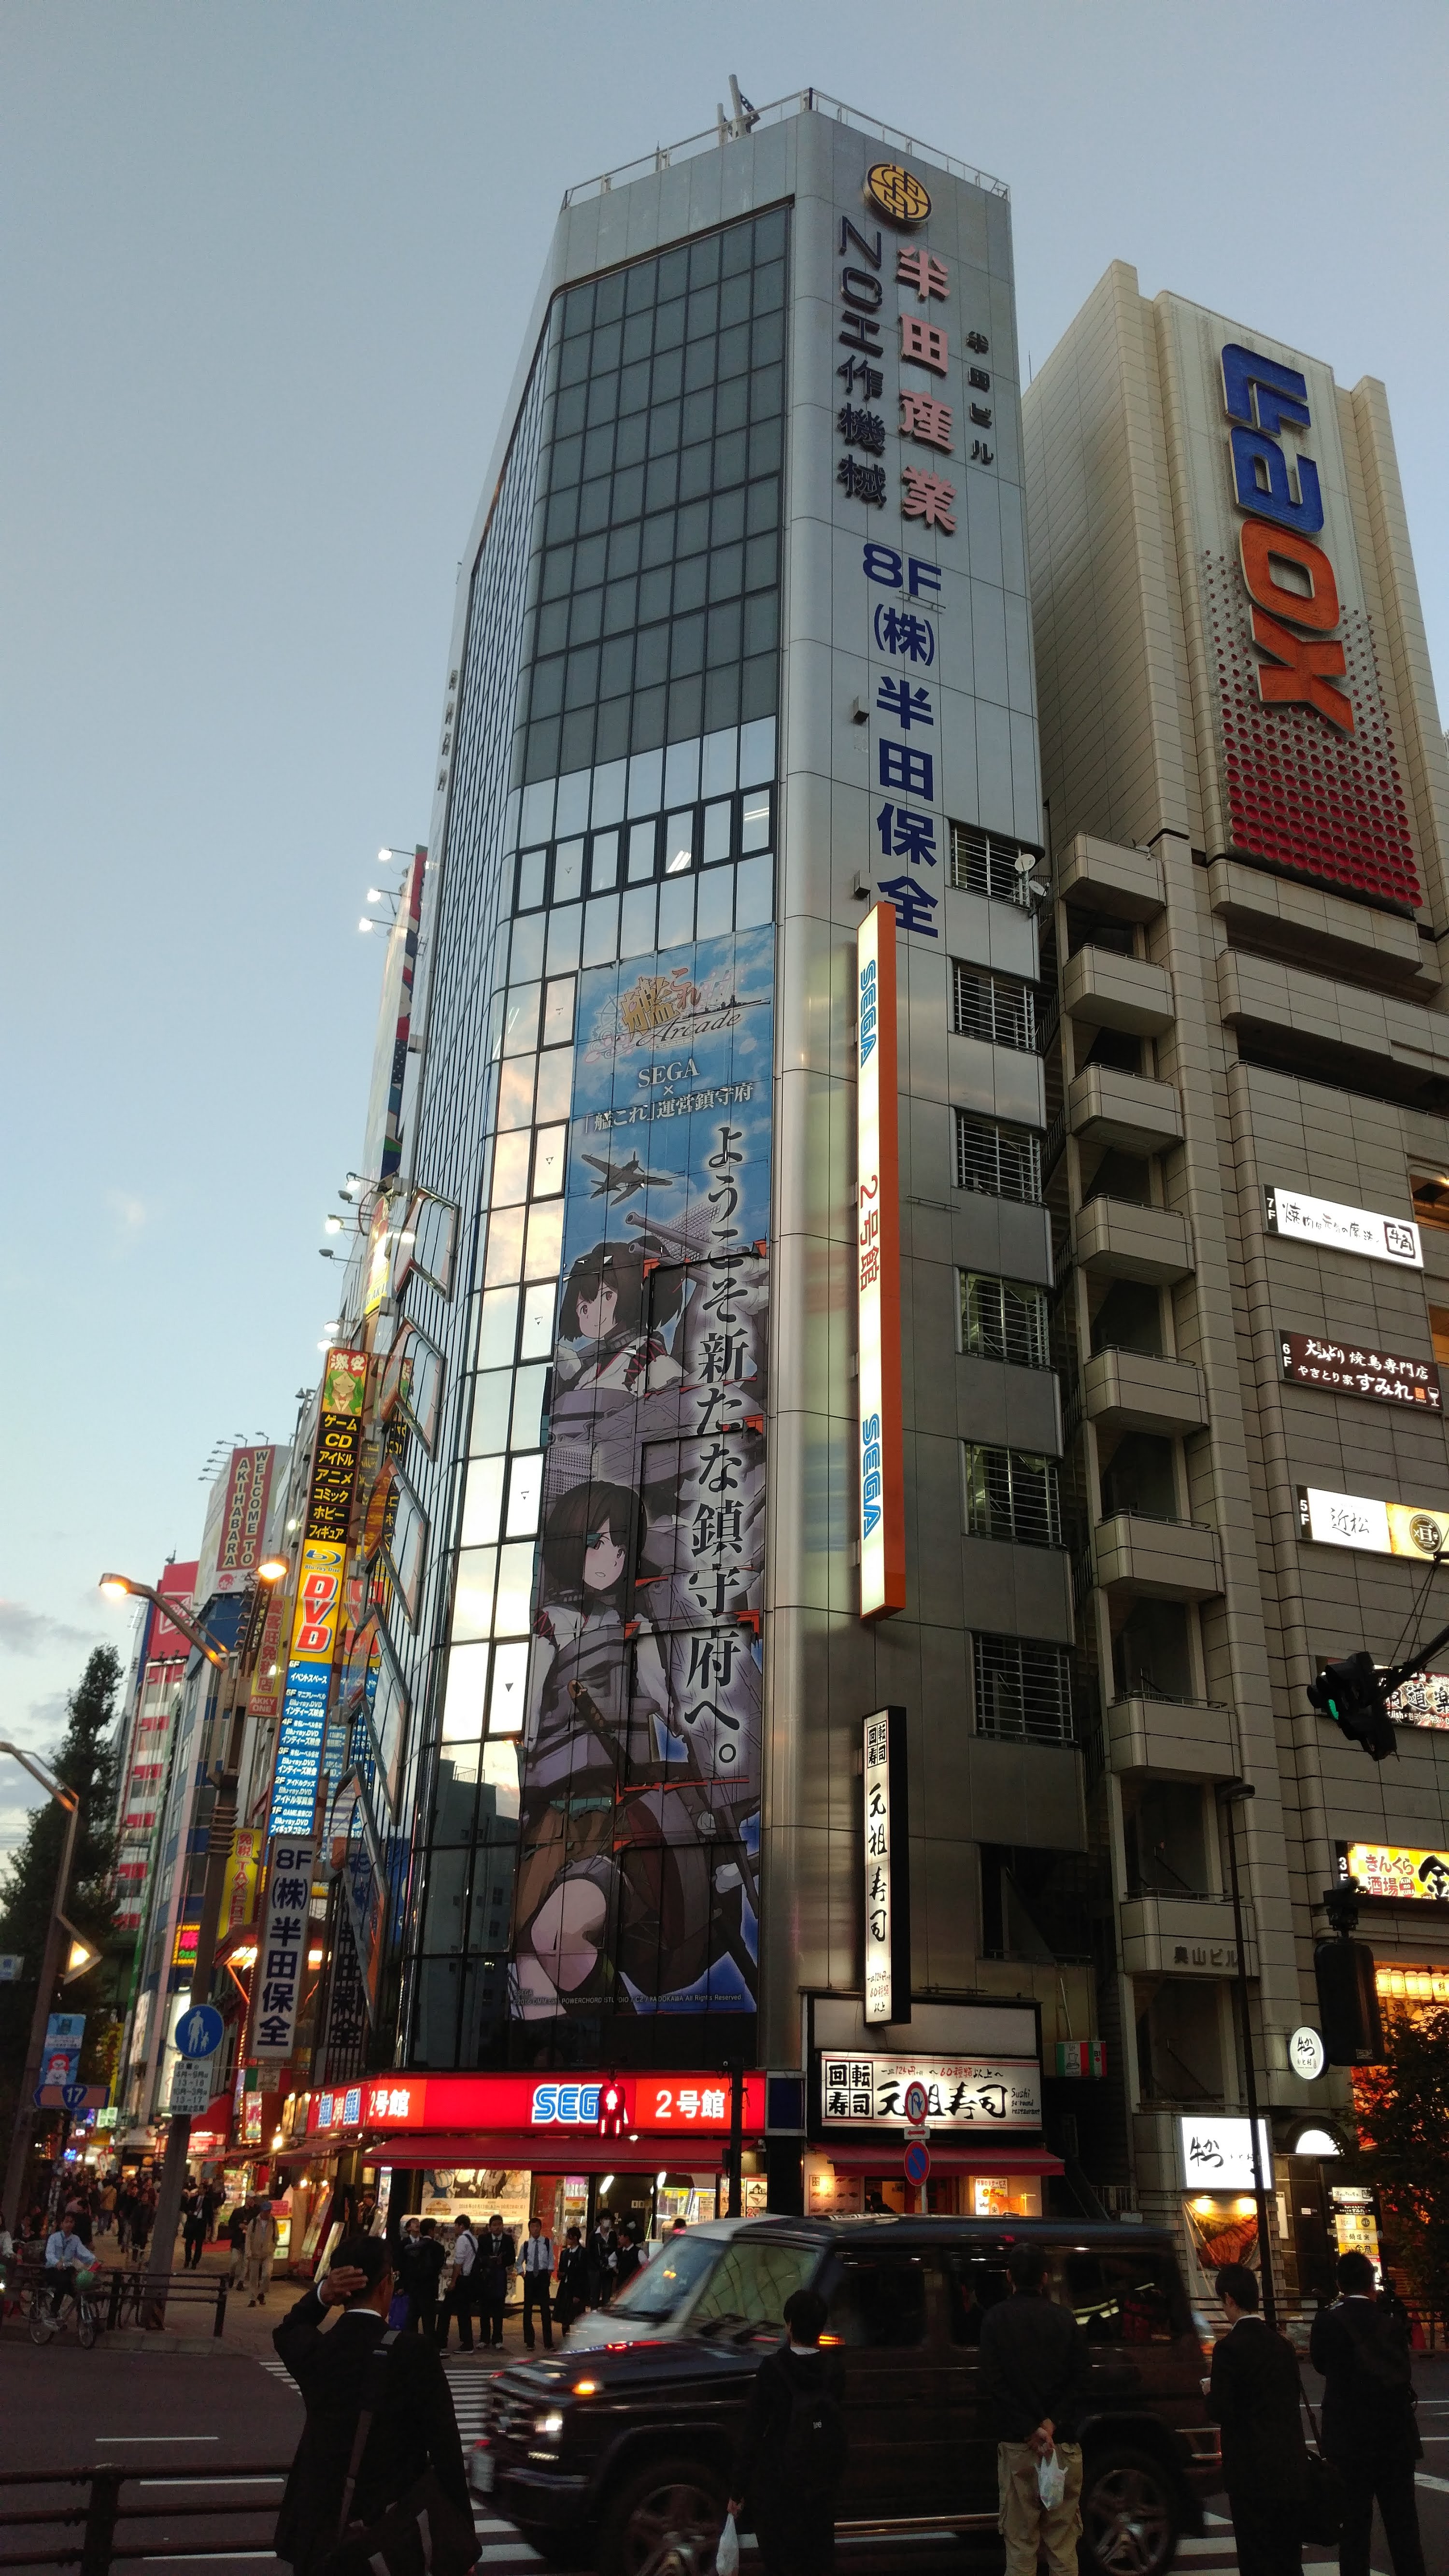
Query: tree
{"x": 1403, "y": 2119}
{"x": 86, "y": 1763}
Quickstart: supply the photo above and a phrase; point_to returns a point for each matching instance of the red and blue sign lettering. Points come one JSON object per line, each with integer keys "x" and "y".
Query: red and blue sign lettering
{"x": 1262, "y": 399}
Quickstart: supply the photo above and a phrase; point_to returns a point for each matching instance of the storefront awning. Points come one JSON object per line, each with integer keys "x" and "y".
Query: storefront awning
{"x": 525, "y": 2151}
{"x": 986, "y": 2159}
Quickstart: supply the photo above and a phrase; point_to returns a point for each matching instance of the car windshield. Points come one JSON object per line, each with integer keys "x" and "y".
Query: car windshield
{"x": 659, "y": 2288}
{"x": 752, "y": 2281}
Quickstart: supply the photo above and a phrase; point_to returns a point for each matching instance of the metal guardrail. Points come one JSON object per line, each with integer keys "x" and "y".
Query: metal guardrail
{"x": 130, "y": 2299}
{"x": 93, "y": 2521}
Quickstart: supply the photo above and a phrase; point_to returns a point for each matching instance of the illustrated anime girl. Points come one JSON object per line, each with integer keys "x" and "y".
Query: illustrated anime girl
{"x": 596, "y": 1683}
{"x": 611, "y": 1323}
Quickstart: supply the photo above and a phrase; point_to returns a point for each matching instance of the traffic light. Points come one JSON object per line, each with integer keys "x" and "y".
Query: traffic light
{"x": 1348, "y": 2003}
{"x": 1352, "y": 1694}
{"x": 611, "y": 2110}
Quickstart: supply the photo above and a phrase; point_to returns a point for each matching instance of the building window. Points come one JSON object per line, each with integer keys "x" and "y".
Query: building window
{"x": 1023, "y": 1691}
{"x": 994, "y": 1007}
{"x": 984, "y": 863}
{"x": 1003, "y": 1162}
{"x": 1011, "y": 1494}
{"x": 1430, "y": 1194}
{"x": 1003, "y": 1319}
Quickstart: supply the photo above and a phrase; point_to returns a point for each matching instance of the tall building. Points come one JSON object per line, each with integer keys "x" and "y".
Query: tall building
{"x": 739, "y": 725}
{"x": 1248, "y": 804}
{"x": 152, "y": 1693}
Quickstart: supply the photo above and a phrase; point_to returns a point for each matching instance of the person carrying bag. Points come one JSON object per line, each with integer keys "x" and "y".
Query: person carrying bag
{"x": 377, "y": 2487}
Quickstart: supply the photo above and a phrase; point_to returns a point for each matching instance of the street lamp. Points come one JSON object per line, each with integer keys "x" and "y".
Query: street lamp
{"x": 121, "y": 1587}
{"x": 1233, "y": 1794}
{"x": 49, "y": 1970}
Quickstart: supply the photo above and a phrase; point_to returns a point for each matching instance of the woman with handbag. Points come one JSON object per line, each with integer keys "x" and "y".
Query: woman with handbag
{"x": 380, "y": 2448}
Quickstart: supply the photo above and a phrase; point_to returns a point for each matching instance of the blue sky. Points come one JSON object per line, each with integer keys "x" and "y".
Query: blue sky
{"x": 268, "y": 269}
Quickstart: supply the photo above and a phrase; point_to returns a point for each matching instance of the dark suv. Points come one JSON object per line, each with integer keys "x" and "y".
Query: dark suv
{"x": 622, "y": 2456}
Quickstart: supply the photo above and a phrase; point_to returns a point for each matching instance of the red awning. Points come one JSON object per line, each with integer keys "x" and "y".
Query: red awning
{"x": 985, "y": 2159}
{"x": 524, "y": 2151}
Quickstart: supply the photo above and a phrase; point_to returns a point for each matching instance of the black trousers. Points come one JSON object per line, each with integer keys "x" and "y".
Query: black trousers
{"x": 491, "y": 2304}
{"x": 796, "y": 2539}
{"x": 1268, "y": 2535}
{"x": 535, "y": 2295}
{"x": 459, "y": 2304}
{"x": 1394, "y": 2488}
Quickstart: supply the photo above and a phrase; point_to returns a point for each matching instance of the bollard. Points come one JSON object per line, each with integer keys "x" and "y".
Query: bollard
{"x": 100, "y": 2531}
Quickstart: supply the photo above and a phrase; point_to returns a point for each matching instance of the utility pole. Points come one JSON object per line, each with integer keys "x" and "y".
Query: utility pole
{"x": 49, "y": 1971}
{"x": 1233, "y": 1794}
{"x": 737, "y": 2132}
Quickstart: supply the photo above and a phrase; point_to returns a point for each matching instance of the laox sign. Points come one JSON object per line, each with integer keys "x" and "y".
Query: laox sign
{"x": 1263, "y": 398}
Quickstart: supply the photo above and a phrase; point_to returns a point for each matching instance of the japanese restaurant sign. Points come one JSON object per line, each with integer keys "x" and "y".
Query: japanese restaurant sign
{"x": 1343, "y": 1229}
{"x": 1390, "y": 1869}
{"x": 961, "y": 2092}
{"x": 1378, "y": 1528}
{"x": 887, "y": 1904}
{"x": 1356, "y": 1368}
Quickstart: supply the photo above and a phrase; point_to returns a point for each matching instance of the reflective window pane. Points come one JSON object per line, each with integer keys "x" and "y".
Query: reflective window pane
{"x": 473, "y": 1593}
{"x": 497, "y": 1324}
{"x": 525, "y": 1486}
{"x": 513, "y": 1612}
{"x": 482, "y": 1502}
{"x": 549, "y": 1155}
{"x": 510, "y": 1168}
{"x": 555, "y": 1084}
{"x": 515, "y": 1093}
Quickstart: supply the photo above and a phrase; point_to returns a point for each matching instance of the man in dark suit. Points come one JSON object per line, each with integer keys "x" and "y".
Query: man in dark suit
{"x": 1369, "y": 2433}
{"x": 1254, "y": 2396}
{"x": 414, "y": 2428}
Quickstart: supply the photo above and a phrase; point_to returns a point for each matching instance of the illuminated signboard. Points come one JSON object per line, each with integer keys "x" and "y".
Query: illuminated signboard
{"x": 1392, "y": 1869}
{"x": 961, "y": 2092}
{"x": 1343, "y": 1229}
{"x": 879, "y": 1461}
{"x": 1379, "y": 1529}
{"x": 1217, "y": 2155}
{"x": 1356, "y": 1368}
{"x": 897, "y": 193}
{"x": 1421, "y": 1701}
{"x": 887, "y": 1903}
{"x": 697, "y": 2105}
{"x": 1310, "y": 775}
{"x": 317, "y": 1612}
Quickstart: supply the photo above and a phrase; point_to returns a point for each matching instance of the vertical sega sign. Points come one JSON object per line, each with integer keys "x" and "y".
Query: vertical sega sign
{"x": 1263, "y": 399}
{"x": 879, "y": 1451}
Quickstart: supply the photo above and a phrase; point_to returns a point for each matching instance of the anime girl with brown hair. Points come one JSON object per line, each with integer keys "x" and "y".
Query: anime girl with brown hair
{"x": 615, "y": 1305}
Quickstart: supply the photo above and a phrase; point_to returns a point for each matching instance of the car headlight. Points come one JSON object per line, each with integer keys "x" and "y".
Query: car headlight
{"x": 547, "y": 2428}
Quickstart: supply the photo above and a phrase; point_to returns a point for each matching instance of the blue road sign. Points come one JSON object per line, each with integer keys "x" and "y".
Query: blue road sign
{"x": 918, "y": 2163}
{"x": 198, "y": 2033}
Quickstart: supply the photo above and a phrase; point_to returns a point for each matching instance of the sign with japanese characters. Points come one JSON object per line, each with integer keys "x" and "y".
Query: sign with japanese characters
{"x": 1343, "y": 1229}
{"x": 880, "y": 1468}
{"x": 691, "y": 2104}
{"x": 1360, "y": 1368}
{"x": 316, "y": 1625}
{"x": 638, "y": 1880}
{"x": 1378, "y": 1528}
{"x": 1423, "y": 1700}
{"x": 281, "y": 1961}
{"x": 961, "y": 2092}
{"x": 1392, "y": 1869}
{"x": 1217, "y": 2155}
{"x": 885, "y": 1845}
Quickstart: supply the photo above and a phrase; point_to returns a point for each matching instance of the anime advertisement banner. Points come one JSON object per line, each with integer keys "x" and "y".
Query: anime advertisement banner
{"x": 639, "y": 1823}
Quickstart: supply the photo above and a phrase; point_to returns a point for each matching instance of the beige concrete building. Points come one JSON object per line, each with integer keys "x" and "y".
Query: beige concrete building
{"x": 1248, "y": 815}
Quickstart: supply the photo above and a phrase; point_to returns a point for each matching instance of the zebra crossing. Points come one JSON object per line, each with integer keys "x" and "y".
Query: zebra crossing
{"x": 1211, "y": 2553}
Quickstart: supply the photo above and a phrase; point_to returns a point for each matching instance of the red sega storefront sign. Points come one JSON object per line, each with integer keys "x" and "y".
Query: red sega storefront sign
{"x": 543, "y": 2108}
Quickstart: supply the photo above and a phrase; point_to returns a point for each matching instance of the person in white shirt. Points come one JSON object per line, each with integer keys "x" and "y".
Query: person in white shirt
{"x": 464, "y": 2290}
{"x": 64, "y": 2252}
{"x": 535, "y": 2265}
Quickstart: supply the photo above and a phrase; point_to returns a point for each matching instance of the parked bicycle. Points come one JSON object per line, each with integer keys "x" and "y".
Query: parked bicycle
{"x": 49, "y": 2316}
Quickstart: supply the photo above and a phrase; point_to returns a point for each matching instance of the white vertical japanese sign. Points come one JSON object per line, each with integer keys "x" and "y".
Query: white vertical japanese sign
{"x": 879, "y": 1462}
{"x": 282, "y": 1950}
{"x": 887, "y": 1980}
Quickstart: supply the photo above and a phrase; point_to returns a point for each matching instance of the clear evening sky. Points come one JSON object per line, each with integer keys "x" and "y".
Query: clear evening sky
{"x": 266, "y": 272}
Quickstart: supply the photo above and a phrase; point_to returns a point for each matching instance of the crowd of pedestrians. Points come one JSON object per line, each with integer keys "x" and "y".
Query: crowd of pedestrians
{"x": 438, "y": 2282}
